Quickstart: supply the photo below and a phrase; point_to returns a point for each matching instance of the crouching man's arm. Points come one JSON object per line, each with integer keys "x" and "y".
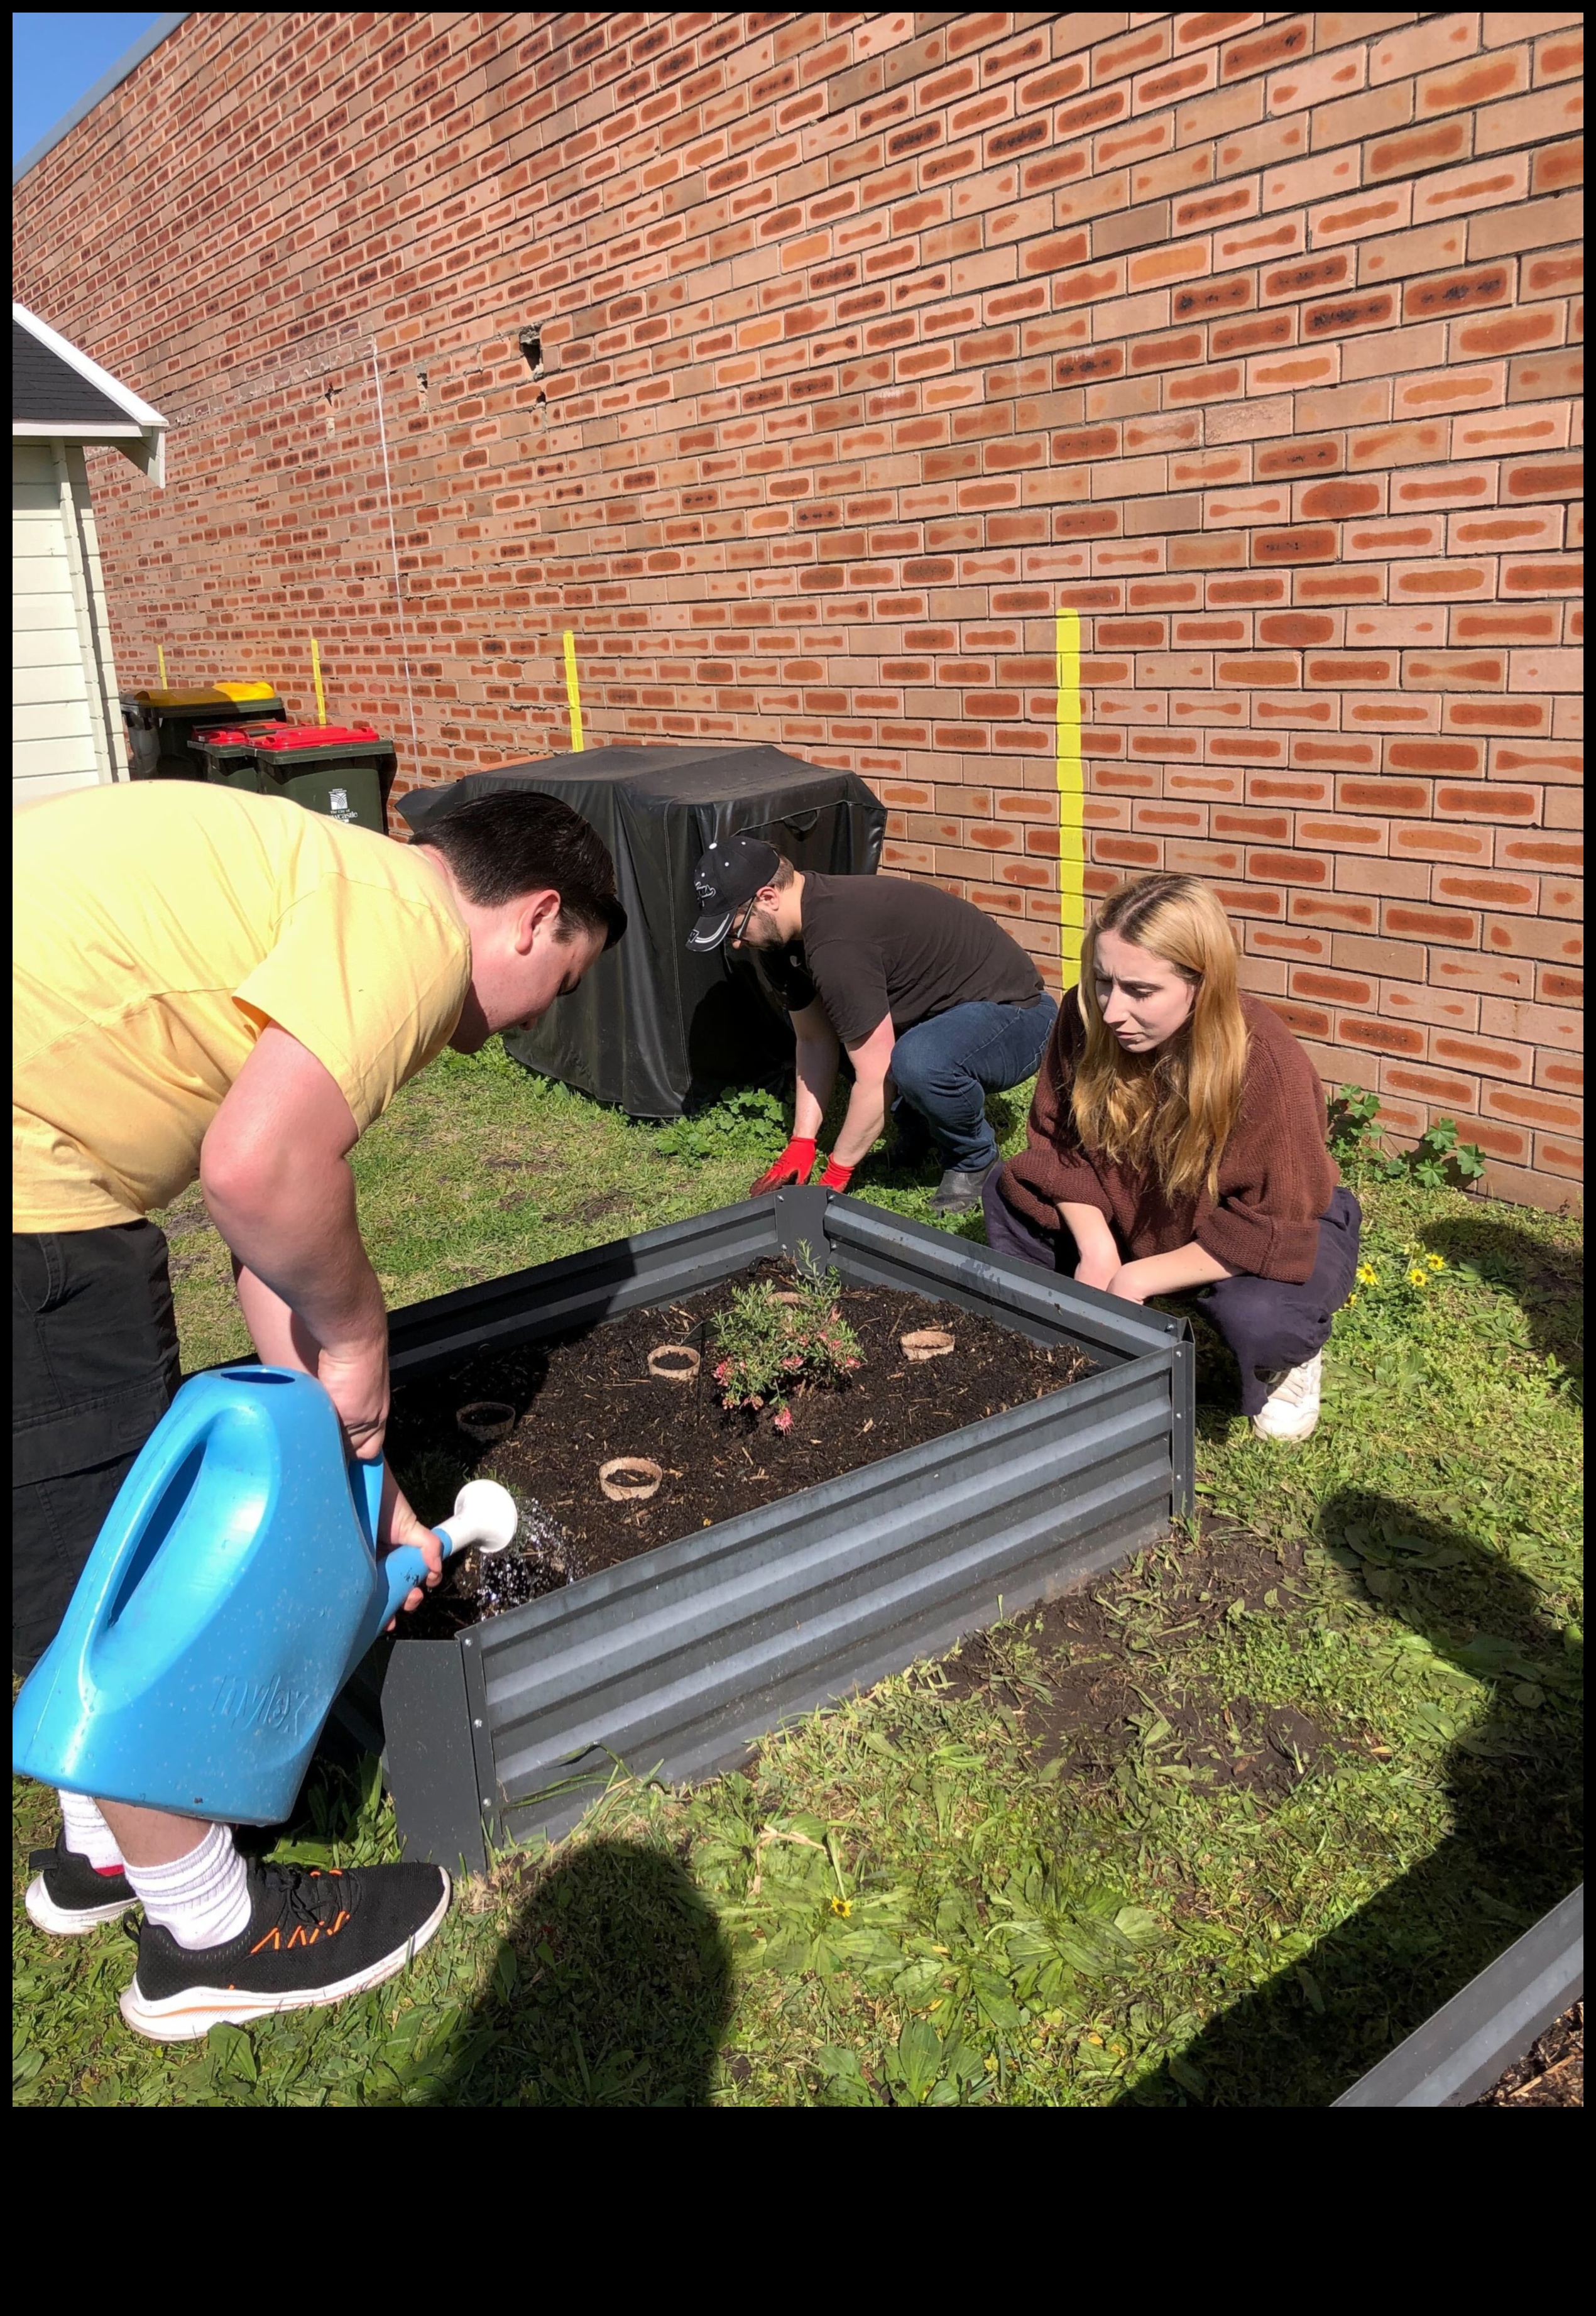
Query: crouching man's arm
{"x": 867, "y": 1107}
{"x": 274, "y": 1170}
{"x": 817, "y": 1068}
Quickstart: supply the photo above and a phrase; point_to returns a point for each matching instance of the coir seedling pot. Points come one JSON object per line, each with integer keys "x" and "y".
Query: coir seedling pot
{"x": 679, "y": 1661}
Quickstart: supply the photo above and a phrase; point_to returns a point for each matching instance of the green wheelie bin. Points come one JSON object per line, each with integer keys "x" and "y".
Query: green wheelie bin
{"x": 344, "y": 770}
{"x": 162, "y": 725}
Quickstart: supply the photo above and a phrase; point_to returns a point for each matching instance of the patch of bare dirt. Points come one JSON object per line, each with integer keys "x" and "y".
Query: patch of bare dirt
{"x": 1091, "y": 1675}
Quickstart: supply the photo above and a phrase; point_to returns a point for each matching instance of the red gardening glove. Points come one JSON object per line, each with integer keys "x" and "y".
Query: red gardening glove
{"x": 794, "y": 1165}
{"x": 836, "y": 1176}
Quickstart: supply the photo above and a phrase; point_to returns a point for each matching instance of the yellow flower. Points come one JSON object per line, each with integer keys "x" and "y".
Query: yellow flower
{"x": 1369, "y": 1274}
{"x": 1417, "y": 1277}
{"x": 843, "y": 1906}
{"x": 1435, "y": 1262}
{"x": 1351, "y": 1299}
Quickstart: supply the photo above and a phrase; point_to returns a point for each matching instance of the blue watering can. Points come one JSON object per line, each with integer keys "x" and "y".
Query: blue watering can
{"x": 233, "y": 1589}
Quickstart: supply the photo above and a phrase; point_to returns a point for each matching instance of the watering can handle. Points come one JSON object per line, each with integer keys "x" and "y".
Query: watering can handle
{"x": 404, "y": 1571}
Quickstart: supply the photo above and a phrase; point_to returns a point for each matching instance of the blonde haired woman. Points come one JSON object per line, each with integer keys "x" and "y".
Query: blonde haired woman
{"x": 1177, "y": 1142}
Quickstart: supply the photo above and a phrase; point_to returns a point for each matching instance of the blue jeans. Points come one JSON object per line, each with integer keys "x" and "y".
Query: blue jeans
{"x": 945, "y": 1068}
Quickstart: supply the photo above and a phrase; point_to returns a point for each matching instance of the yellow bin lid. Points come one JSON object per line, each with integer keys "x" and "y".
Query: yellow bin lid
{"x": 205, "y": 696}
{"x": 248, "y": 690}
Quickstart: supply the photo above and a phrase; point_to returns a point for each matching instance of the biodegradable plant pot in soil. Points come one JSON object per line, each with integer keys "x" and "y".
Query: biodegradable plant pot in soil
{"x": 588, "y": 1399}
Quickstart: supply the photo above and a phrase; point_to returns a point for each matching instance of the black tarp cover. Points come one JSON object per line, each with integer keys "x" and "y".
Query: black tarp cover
{"x": 654, "y": 1027}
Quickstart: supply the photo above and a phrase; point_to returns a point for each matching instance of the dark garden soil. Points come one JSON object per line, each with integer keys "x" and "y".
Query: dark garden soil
{"x": 1551, "y": 2074}
{"x": 583, "y": 1400}
{"x": 1077, "y": 1685}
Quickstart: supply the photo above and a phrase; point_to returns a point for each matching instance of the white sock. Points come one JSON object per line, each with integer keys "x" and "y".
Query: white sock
{"x": 202, "y": 1899}
{"x": 88, "y": 1834}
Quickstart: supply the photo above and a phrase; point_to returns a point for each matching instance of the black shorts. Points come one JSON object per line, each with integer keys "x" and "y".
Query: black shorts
{"x": 94, "y": 1367}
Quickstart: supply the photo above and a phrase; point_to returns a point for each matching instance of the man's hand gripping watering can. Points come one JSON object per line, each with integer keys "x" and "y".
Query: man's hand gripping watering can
{"x": 234, "y": 1588}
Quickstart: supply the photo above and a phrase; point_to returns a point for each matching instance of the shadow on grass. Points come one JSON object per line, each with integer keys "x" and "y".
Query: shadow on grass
{"x": 1546, "y": 1281}
{"x": 612, "y": 1988}
{"x": 1513, "y": 1850}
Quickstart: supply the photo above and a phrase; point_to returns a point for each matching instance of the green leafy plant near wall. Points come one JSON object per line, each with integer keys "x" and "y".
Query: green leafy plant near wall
{"x": 1438, "y": 1161}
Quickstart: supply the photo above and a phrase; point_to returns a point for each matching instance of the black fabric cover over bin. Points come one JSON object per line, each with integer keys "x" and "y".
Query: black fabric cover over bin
{"x": 654, "y": 1027}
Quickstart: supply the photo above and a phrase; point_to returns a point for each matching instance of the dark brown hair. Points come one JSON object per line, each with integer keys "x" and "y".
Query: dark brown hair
{"x": 500, "y": 847}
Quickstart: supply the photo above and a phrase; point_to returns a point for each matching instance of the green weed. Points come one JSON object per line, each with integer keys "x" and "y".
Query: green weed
{"x": 1438, "y": 1161}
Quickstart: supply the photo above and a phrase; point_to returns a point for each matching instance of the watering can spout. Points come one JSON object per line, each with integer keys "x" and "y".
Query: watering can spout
{"x": 236, "y": 1585}
{"x": 484, "y": 1515}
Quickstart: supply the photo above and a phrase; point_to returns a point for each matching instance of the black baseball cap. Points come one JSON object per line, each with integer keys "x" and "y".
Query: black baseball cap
{"x": 726, "y": 877}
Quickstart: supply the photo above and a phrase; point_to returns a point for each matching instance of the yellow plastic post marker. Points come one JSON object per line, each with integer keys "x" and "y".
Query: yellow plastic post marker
{"x": 161, "y": 664}
{"x": 321, "y": 697}
{"x": 1071, "y": 833}
{"x": 573, "y": 696}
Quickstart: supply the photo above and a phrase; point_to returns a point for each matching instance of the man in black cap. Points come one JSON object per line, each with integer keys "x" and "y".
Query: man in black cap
{"x": 928, "y": 994}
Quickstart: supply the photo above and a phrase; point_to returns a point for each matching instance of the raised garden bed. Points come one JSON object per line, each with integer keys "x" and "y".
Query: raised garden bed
{"x": 677, "y": 1657}
{"x": 550, "y": 1420}
{"x": 1464, "y": 2048}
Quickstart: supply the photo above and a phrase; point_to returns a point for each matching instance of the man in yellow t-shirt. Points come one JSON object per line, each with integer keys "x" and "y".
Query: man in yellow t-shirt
{"x": 226, "y": 987}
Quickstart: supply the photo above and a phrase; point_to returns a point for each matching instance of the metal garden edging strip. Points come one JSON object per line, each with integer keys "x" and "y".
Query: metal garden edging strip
{"x": 1461, "y": 2051}
{"x": 677, "y": 1662}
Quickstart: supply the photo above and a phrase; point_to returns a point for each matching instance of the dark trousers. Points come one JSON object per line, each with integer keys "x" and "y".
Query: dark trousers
{"x": 94, "y": 1366}
{"x": 945, "y": 1068}
{"x": 1268, "y": 1325}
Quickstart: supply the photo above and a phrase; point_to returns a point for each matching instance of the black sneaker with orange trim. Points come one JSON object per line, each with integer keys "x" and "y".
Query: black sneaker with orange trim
{"x": 313, "y": 1938}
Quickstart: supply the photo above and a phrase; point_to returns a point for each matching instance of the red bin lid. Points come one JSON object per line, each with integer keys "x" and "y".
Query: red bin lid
{"x": 283, "y": 737}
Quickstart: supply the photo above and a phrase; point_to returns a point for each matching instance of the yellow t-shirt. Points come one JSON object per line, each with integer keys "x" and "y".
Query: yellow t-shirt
{"x": 158, "y": 926}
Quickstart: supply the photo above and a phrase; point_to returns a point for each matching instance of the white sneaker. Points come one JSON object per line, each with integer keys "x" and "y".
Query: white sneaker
{"x": 1291, "y": 1410}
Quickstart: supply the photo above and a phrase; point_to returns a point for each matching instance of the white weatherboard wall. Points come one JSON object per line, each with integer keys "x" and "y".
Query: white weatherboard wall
{"x": 66, "y": 723}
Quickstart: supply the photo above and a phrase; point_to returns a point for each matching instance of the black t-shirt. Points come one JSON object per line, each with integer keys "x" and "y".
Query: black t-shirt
{"x": 877, "y": 945}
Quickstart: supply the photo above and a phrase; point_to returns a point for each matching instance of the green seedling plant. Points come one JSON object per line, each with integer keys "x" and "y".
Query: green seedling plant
{"x": 1441, "y": 1160}
{"x": 769, "y": 1348}
{"x": 747, "y": 1124}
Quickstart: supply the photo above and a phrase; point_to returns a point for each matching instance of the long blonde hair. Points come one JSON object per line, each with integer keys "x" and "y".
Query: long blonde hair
{"x": 1171, "y": 1111}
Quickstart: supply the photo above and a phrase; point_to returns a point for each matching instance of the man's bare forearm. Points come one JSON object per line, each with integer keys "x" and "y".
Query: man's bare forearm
{"x": 862, "y": 1128}
{"x": 816, "y": 1071}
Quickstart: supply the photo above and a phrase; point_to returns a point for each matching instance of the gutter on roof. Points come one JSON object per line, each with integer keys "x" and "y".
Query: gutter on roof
{"x": 118, "y": 72}
{"x": 75, "y": 429}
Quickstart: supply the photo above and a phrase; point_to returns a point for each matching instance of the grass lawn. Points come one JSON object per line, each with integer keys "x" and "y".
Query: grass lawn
{"x": 1217, "y": 1831}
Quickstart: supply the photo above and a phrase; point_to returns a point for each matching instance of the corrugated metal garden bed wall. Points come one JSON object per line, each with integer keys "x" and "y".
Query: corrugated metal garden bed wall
{"x": 1463, "y": 2048}
{"x": 677, "y": 1662}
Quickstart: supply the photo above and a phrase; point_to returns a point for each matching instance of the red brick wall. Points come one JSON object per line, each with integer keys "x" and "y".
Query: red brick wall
{"x": 870, "y": 339}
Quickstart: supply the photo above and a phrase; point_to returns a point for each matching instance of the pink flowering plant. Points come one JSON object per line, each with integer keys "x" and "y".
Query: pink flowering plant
{"x": 769, "y": 1350}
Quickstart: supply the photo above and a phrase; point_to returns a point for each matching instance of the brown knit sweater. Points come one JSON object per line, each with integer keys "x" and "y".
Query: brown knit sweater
{"x": 1276, "y": 1176}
